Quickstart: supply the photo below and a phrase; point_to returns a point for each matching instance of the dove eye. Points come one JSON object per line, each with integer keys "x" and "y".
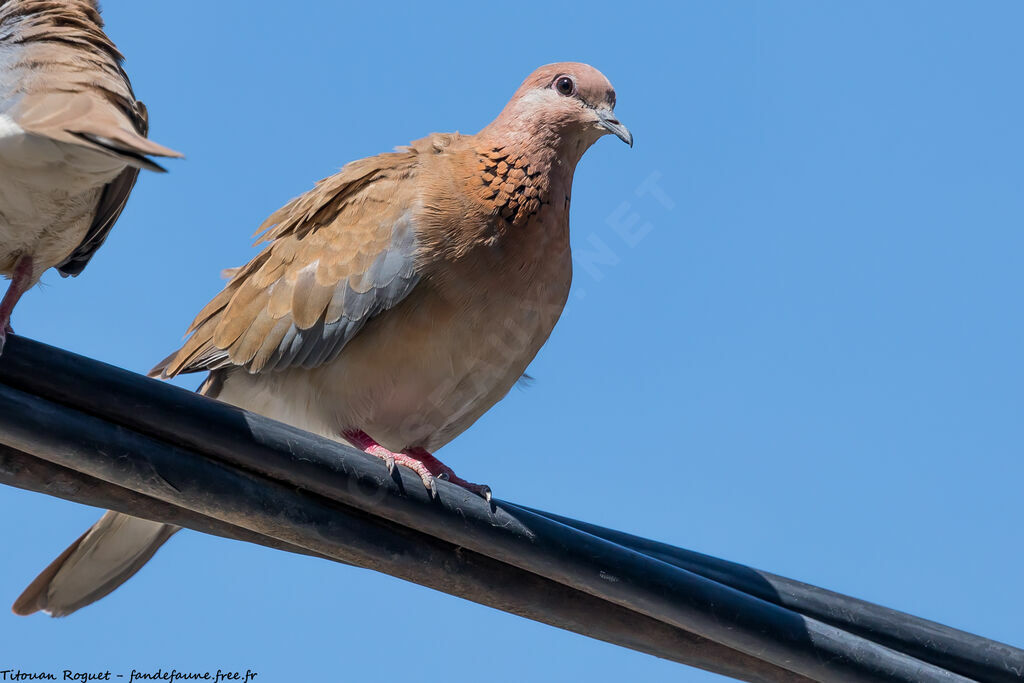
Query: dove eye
{"x": 564, "y": 85}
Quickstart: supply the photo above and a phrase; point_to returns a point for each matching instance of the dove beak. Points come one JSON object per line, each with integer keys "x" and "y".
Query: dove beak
{"x": 606, "y": 119}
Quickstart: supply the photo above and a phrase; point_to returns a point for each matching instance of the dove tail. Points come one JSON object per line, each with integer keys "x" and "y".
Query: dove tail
{"x": 103, "y": 558}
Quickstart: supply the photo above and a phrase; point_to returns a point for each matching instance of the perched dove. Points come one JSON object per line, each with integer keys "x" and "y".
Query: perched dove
{"x": 72, "y": 140}
{"x": 392, "y": 305}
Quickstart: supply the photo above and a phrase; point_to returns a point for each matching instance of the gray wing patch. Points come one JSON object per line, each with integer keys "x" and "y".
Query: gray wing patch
{"x": 387, "y": 281}
{"x": 112, "y": 202}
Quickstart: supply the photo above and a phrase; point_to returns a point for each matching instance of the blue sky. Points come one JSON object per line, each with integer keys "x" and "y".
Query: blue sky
{"x": 804, "y": 355}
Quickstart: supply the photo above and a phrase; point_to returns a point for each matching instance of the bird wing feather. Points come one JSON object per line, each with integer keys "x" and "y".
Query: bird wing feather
{"x": 334, "y": 258}
{"x": 72, "y": 86}
{"x": 112, "y": 201}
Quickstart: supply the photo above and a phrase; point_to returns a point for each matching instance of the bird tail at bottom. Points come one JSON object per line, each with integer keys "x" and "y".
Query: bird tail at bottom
{"x": 103, "y": 558}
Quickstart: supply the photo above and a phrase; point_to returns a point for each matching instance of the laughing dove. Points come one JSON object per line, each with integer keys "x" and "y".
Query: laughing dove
{"x": 72, "y": 140}
{"x": 392, "y": 305}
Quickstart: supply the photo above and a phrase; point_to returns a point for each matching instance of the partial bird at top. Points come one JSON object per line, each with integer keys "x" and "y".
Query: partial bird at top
{"x": 392, "y": 305}
{"x": 72, "y": 140}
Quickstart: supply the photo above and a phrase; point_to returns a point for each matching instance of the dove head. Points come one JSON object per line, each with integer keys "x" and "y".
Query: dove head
{"x": 567, "y": 106}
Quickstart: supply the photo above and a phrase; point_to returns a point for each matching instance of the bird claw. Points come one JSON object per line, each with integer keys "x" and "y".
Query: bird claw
{"x": 482, "y": 490}
{"x": 430, "y": 482}
{"x": 419, "y": 461}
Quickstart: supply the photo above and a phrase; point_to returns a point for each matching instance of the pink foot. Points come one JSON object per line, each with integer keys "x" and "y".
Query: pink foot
{"x": 419, "y": 461}
{"x": 21, "y": 280}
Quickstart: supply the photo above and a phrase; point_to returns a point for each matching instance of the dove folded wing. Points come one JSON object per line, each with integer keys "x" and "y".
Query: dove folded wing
{"x": 337, "y": 256}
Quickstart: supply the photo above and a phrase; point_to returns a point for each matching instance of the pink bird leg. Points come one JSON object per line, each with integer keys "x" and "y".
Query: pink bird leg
{"x": 21, "y": 280}
{"x": 419, "y": 461}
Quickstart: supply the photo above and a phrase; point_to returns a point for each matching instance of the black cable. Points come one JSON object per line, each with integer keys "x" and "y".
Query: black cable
{"x": 794, "y": 631}
{"x": 961, "y": 652}
{"x": 180, "y": 482}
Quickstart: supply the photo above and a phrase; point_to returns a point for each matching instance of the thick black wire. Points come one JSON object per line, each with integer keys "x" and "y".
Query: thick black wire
{"x": 168, "y": 484}
{"x": 652, "y": 580}
{"x": 961, "y": 652}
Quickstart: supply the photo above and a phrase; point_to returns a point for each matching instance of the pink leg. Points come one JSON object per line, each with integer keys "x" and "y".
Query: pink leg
{"x": 419, "y": 461}
{"x": 21, "y": 280}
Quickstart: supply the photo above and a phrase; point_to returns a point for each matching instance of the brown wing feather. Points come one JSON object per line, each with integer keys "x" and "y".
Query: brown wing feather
{"x": 72, "y": 84}
{"x": 336, "y": 256}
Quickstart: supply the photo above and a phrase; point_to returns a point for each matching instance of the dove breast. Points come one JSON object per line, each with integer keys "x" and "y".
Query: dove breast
{"x": 426, "y": 371}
